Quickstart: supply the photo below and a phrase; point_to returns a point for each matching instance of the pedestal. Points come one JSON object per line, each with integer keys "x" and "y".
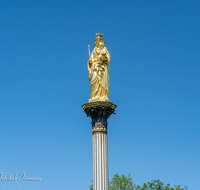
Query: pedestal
{"x": 99, "y": 112}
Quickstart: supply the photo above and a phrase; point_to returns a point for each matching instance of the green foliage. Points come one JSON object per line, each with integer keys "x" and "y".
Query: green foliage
{"x": 121, "y": 183}
{"x": 125, "y": 183}
{"x": 158, "y": 185}
{"x": 91, "y": 186}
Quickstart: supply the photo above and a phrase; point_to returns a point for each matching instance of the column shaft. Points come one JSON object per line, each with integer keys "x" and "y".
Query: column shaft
{"x": 99, "y": 111}
{"x": 100, "y": 161}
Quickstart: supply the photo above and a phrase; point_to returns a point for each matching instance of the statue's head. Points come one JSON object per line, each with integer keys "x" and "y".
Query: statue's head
{"x": 99, "y": 41}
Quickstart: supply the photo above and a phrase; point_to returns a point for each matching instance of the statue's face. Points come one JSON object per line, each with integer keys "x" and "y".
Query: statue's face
{"x": 99, "y": 43}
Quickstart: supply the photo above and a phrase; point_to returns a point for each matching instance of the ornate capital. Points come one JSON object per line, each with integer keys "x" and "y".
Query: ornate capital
{"x": 99, "y": 112}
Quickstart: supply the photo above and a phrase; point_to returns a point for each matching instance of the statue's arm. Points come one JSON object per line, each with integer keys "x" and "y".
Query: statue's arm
{"x": 90, "y": 63}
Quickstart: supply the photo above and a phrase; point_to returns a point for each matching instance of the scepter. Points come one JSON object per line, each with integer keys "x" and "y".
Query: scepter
{"x": 89, "y": 50}
{"x": 89, "y": 63}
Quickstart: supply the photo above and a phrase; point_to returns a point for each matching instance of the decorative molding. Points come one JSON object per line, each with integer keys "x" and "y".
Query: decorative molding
{"x": 99, "y": 129}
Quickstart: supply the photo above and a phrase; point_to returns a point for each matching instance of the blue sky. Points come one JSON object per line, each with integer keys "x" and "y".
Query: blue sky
{"x": 154, "y": 80}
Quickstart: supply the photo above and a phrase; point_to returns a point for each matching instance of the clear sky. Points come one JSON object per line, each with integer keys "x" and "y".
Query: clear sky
{"x": 154, "y": 80}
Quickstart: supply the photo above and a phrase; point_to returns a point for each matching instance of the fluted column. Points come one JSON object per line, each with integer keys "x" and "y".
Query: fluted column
{"x": 100, "y": 157}
{"x": 99, "y": 113}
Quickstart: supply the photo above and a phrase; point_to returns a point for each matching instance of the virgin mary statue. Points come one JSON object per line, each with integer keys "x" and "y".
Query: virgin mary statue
{"x": 98, "y": 67}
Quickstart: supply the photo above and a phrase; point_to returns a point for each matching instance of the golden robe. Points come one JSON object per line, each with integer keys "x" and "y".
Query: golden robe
{"x": 98, "y": 67}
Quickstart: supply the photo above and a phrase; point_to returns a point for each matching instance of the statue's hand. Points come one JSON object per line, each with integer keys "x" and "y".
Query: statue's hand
{"x": 90, "y": 60}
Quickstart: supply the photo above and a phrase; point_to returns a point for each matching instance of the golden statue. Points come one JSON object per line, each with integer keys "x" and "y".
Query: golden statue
{"x": 98, "y": 67}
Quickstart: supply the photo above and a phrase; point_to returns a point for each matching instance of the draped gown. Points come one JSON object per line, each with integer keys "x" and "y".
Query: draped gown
{"x": 98, "y": 67}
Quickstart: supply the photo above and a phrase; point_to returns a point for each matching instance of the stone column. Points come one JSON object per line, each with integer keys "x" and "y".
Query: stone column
{"x": 99, "y": 112}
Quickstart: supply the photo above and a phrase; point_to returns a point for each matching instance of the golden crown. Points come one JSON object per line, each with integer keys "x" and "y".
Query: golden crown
{"x": 99, "y": 35}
